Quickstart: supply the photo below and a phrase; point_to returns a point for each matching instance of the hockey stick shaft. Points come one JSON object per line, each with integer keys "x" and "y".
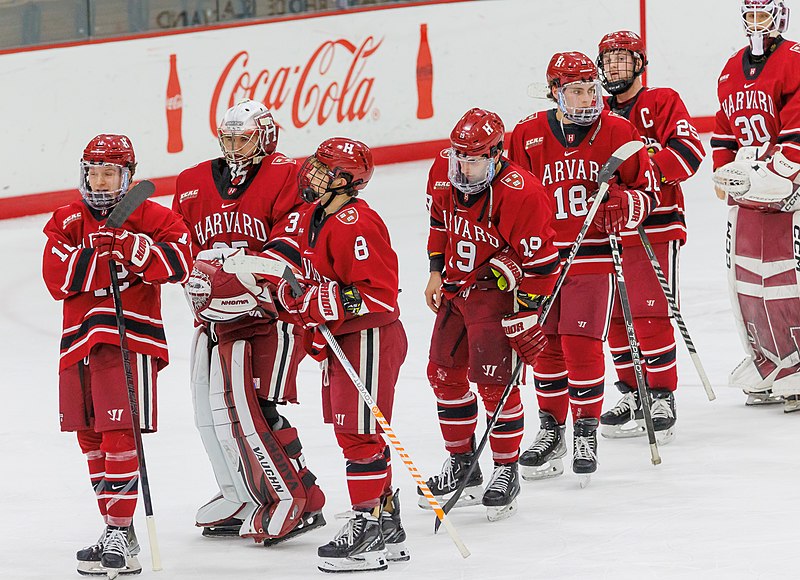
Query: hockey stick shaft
{"x": 288, "y": 275}
{"x": 606, "y": 173}
{"x": 133, "y": 199}
{"x": 636, "y": 354}
{"x": 676, "y": 313}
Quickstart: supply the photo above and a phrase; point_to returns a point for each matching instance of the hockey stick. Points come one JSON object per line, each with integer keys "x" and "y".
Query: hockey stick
{"x": 622, "y": 154}
{"x": 676, "y": 313}
{"x": 240, "y": 263}
{"x": 636, "y": 355}
{"x": 133, "y": 199}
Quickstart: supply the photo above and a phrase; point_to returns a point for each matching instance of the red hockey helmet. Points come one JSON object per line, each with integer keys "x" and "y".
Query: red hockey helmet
{"x": 334, "y": 158}
{"x": 476, "y": 141}
{"x": 478, "y": 132}
{"x": 568, "y": 68}
{"x": 107, "y": 166}
{"x": 612, "y": 55}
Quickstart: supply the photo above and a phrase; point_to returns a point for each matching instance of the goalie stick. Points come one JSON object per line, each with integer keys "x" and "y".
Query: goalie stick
{"x": 122, "y": 211}
{"x": 676, "y": 313}
{"x": 240, "y": 264}
{"x": 622, "y": 154}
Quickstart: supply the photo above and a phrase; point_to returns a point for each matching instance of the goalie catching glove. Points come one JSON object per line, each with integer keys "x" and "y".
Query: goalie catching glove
{"x": 218, "y": 296}
{"x": 761, "y": 178}
{"x": 523, "y": 330}
{"x": 123, "y": 246}
{"x": 623, "y": 209}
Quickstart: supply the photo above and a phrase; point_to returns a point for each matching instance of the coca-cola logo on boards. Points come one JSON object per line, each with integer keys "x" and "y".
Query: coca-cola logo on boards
{"x": 331, "y": 84}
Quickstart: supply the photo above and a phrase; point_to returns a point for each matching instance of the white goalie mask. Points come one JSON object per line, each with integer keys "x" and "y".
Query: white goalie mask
{"x": 762, "y": 19}
{"x": 246, "y": 134}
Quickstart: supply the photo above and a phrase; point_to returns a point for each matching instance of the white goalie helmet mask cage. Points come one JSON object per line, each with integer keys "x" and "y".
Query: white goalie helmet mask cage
{"x": 762, "y": 19}
{"x": 246, "y": 134}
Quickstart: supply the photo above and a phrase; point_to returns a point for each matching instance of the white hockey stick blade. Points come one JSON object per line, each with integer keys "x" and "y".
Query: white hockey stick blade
{"x": 240, "y": 263}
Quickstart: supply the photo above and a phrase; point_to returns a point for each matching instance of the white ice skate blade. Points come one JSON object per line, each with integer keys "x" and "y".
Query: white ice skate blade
{"x": 397, "y": 552}
{"x": 548, "y": 470}
{"x": 584, "y": 479}
{"x": 665, "y": 436}
{"x": 497, "y": 513}
{"x": 363, "y": 563}
{"x": 790, "y": 406}
{"x": 470, "y": 496}
{"x": 756, "y": 398}
{"x": 624, "y": 431}
{"x": 96, "y": 569}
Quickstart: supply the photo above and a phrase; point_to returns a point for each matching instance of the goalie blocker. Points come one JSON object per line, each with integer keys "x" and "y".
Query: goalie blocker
{"x": 267, "y": 492}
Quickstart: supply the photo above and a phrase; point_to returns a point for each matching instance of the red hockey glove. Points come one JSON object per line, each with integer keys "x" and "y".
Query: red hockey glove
{"x": 525, "y": 335}
{"x": 506, "y": 269}
{"x": 622, "y": 209}
{"x": 318, "y": 304}
{"x": 124, "y": 246}
{"x": 315, "y": 345}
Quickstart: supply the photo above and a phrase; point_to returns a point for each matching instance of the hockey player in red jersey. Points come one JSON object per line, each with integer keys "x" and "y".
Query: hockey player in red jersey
{"x": 246, "y": 201}
{"x": 756, "y": 149}
{"x": 492, "y": 263}
{"x": 152, "y": 248}
{"x": 349, "y": 276}
{"x": 676, "y": 152}
{"x": 566, "y": 147}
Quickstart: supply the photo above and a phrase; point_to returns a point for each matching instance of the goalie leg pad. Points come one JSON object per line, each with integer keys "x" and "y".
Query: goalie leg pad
{"x": 270, "y": 476}
{"x": 233, "y": 496}
{"x": 763, "y": 251}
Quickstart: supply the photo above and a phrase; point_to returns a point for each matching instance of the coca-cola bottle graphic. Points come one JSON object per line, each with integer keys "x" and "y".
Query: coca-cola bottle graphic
{"x": 174, "y": 109}
{"x": 424, "y": 76}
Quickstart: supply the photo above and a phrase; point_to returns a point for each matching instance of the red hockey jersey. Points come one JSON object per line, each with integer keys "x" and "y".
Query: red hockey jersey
{"x": 666, "y": 129}
{"x": 73, "y": 273}
{"x": 265, "y": 208}
{"x": 568, "y": 158}
{"x": 759, "y": 102}
{"x": 466, "y": 231}
{"x": 352, "y": 247}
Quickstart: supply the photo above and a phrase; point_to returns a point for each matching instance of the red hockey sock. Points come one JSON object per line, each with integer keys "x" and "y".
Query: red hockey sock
{"x": 457, "y": 407}
{"x": 657, "y": 342}
{"x": 506, "y": 436}
{"x": 366, "y": 468}
{"x": 122, "y": 477}
{"x": 657, "y": 338}
{"x": 621, "y": 351}
{"x": 89, "y": 442}
{"x": 550, "y": 377}
{"x": 584, "y": 358}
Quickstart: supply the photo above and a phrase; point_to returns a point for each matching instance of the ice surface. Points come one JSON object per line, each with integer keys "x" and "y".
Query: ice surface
{"x": 723, "y": 504}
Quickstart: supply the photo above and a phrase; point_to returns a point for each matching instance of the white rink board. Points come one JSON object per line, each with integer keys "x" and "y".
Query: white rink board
{"x": 484, "y": 54}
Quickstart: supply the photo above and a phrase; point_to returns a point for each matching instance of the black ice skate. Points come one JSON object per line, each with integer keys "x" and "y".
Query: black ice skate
{"x": 662, "y": 410}
{"x": 625, "y": 419}
{"x": 89, "y": 558}
{"x": 542, "y": 459}
{"x": 359, "y": 546}
{"x": 310, "y": 521}
{"x": 584, "y": 452}
{"x": 394, "y": 536}
{"x": 500, "y": 497}
{"x": 443, "y": 485}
